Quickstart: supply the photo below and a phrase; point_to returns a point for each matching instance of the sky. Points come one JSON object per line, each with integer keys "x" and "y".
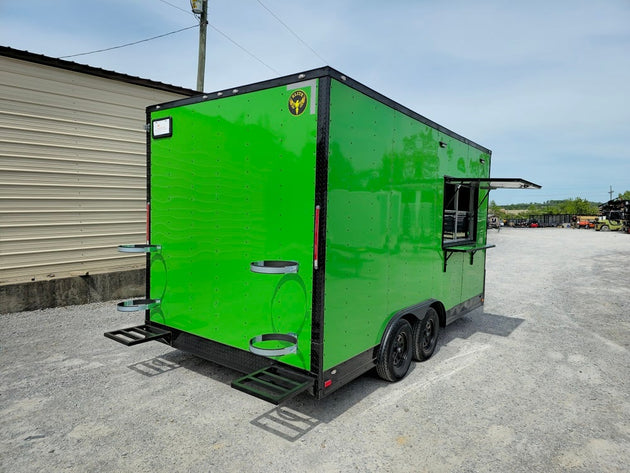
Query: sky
{"x": 544, "y": 84}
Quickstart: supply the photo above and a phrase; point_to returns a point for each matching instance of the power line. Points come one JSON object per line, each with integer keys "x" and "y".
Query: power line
{"x": 129, "y": 44}
{"x": 242, "y": 48}
{"x": 291, "y": 31}
{"x": 184, "y": 29}
{"x": 179, "y": 8}
{"x": 228, "y": 38}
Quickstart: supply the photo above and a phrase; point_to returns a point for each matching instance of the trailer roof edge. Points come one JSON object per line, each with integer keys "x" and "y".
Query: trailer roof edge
{"x": 311, "y": 74}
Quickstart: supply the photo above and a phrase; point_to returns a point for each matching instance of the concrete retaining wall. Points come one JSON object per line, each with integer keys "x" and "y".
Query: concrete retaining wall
{"x": 72, "y": 291}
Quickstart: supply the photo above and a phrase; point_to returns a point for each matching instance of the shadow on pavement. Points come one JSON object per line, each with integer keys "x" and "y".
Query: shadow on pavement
{"x": 480, "y": 322}
{"x": 300, "y": 415}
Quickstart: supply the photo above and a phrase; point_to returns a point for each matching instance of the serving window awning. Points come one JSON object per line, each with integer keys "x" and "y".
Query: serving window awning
{"x": 494, "y": 182}
{"x": 490, "y": 183}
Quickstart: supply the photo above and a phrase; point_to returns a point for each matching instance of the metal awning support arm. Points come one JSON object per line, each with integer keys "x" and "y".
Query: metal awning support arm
{"x": 448, "y": 252}
{"x": 485, "y": 197}
{"x": 448, "y": 204}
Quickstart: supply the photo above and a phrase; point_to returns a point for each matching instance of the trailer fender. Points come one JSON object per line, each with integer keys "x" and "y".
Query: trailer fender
{"x": 412, "y": 315}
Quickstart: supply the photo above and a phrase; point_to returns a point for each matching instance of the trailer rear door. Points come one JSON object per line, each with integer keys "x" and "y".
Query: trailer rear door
{"x": 231, "y": 193}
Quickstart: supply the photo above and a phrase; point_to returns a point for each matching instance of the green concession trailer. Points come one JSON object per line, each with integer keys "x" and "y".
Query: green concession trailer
{"x": 307, "y": 229}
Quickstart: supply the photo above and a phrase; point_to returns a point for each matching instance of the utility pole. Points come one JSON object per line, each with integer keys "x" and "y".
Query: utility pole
{"x": 610, "y": 192}
{"x": 200, "y": 7}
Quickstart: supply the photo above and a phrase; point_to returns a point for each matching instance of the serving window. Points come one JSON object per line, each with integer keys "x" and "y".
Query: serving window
{"x": 460, "y": 213}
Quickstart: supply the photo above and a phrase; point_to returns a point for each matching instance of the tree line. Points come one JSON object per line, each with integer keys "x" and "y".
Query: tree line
{"x": 577, "y": 206}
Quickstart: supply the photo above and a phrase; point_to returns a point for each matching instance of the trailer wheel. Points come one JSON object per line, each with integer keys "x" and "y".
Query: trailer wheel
{"x": 395, "y": 356}
{"x": 425, "y": 335}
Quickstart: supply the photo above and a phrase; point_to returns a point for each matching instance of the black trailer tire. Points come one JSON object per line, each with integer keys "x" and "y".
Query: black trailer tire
{"x": 396, "y": 352}
{"x": 425, "y": 335}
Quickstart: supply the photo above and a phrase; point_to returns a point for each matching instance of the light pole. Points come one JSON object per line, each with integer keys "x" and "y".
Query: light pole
{"x": 200, "y": 7}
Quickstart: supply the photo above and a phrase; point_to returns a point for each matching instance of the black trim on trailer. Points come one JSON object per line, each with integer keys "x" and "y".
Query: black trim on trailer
{"x": 244, "y": 89}
{"x": 462, "y": 309}
{"x": 231, "y": 357}
{"x": 485, "y": 254}
{"x": 340, "y": 375}
{"x": 319, "y": 73}
{"x": 321, "y": 198}
{"x": 147, "y": 279}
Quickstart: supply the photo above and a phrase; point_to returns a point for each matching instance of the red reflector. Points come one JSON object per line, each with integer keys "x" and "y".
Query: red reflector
{"x": 327, "y": 383}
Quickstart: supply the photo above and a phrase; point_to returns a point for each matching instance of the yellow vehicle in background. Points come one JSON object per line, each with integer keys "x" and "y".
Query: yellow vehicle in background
{"x": 614, "y": 215}
{"x": 604, "y": 225}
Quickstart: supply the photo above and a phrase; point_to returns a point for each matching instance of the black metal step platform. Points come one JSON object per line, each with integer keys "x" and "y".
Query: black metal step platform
{"x": 139, "y": 334}
{"x": 274, "y": 384}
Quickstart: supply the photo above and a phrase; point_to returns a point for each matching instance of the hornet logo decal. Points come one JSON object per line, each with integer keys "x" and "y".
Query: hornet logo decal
{"x": 297, "y": 102}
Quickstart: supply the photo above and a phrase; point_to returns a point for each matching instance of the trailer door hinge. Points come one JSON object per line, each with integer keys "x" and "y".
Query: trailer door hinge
{"x": 147, "y": 126}
{"x": 316, "y": 242}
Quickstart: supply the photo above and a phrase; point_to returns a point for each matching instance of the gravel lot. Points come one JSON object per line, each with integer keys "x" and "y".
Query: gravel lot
{"x": 539, "y": 381}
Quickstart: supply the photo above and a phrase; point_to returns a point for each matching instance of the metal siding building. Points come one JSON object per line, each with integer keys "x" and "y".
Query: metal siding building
{"x": 72, "y": 166}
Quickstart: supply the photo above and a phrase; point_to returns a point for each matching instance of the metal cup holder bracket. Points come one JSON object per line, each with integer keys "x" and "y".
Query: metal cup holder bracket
{"x": 139, "y": 248}
{"x": 277, "y": 337}
{"x": 274, "y": 267}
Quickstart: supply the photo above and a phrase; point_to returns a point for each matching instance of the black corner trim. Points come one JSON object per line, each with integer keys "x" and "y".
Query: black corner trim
{"x": 321, "y": 198}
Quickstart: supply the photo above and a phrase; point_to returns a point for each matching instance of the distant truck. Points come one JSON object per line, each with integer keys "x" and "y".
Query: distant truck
{"x": 305, "y": 230}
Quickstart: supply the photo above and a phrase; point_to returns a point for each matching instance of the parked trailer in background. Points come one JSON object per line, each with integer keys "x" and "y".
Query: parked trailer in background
{"x": 552, "y": 220}
{"x": 307, "y": 229}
